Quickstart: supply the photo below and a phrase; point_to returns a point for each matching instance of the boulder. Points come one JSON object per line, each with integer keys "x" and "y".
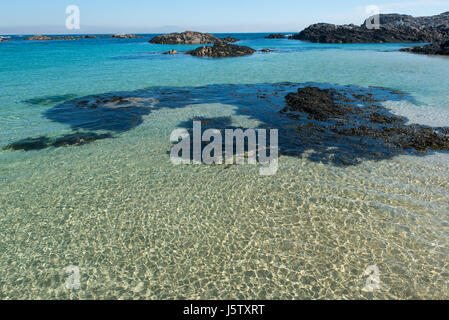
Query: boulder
{"x": 222, "y": 51}
{"x": 187, "y": 37}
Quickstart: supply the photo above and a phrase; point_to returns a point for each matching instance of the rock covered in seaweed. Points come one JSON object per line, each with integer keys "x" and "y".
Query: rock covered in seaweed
{"x": 360, "y": 115}
{"x": 221, "y": 51}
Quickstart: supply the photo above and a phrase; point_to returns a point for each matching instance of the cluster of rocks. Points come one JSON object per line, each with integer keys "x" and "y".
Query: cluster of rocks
{"x": 221, "y": 51}
{"x": 3, "y": 39}
{"x": 360, "y": 115}
{"x": 47, "y": 38}
{"x": 438, "y": 48}
{"x": 125, "y": 36}
{"x": 187, "y": 37}
{"x": 230, "y": 40}
{"x": 276, "y": 36}
{"x": 392, "y": 28}
{"x": 191, "y": 37}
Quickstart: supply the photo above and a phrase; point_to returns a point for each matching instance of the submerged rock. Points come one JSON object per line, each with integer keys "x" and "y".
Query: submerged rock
{"x": 438, "y": 48}
{"x": 75, "y": 139}
{"x": 276, "y": 36}
{"x": 221, "y": 51}
{"x": 359, "y": 115}
{"x": 266, "y": 50}
{"x": 187, "y": 37}
{"x": 392, "y": 28}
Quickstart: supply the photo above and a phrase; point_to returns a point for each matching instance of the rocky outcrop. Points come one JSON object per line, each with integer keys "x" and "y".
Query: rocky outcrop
{"x": 438, "y": 48}
{"x": 222, "y": 51}
{"x": 266, "y": 50}
{"x": 276, "y": 36}
{"x": 359, "y": 114}
{"x": 125, "y": 36}
{"x": 39, "y": 38}
{"x": 230, "y": 39}
{"x": 47, "y": 38}
{"x": 187, "y": 37}
{"x": 401, "y": 20}
{"x": 393, "y": 28}
{"x": 3, "y": 40}
{"x": 171, "y": 52}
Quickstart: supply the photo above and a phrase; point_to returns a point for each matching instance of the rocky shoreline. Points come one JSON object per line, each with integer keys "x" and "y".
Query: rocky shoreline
{"x": 438, "y": 48}
{"x": 393, "y": 28}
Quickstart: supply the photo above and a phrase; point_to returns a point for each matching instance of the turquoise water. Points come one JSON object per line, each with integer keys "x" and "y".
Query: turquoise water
{"x": 139, "y": 227}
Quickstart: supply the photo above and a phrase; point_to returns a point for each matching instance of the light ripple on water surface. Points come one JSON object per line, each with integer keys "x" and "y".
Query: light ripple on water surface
{"x": 139, "y": 227}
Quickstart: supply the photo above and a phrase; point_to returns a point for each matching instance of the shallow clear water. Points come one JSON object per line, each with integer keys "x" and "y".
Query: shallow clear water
{"x": 139, "y": 227}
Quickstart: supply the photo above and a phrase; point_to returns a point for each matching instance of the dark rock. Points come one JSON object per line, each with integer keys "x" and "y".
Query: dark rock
{"x": 318, "y": 103}
{"x": 187, "y": 37}
{"x": 47, "y": 38}
{"x": 39, "y": 38}
{"x": 221, "y": 51}
{"x": 125, "y": 36}
{"x": 266, "y": 50}
{"x": 230, "y": 40}
{"x": 75, "y": 139}
{"x": 333, "y": 112}
{"x": 393, "y": 28}
{"x": 276, "y": 36}
{"x": 438, "y": 48}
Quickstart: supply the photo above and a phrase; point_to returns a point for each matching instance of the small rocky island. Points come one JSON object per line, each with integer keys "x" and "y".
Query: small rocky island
{"x": 230, "y": 40}
{"x": 125, "y": 36}
{"x": 47, "y": 38}
{"x": 221, "y": 51}
{"x": 394, "y": 28}
{"x": 276, "y": 36}
{"x": 437, "y": 48}
{"x": 187, "y": 37}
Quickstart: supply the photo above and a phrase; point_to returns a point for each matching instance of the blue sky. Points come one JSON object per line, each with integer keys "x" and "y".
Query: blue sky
{"x": 147, "y": 16}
